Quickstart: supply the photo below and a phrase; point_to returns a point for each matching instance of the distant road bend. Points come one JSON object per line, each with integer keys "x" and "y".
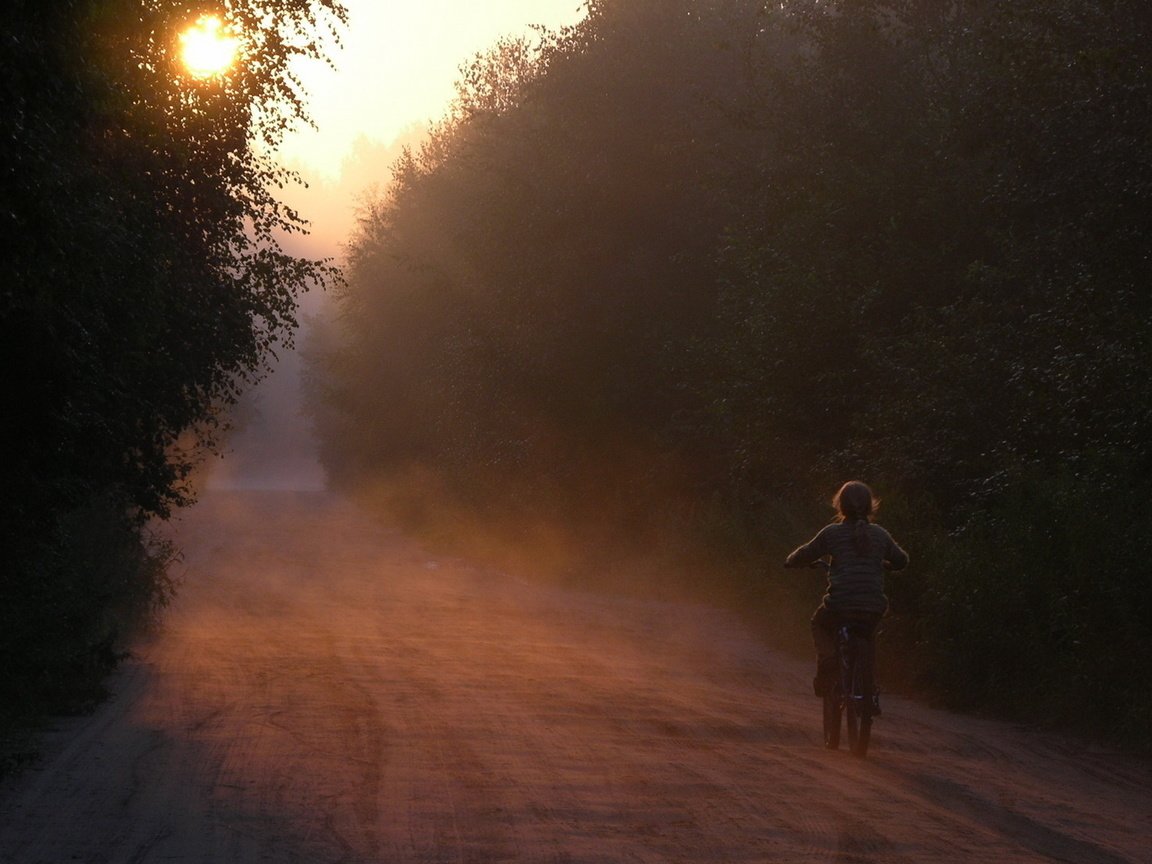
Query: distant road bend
{"x": 327, "y": 691}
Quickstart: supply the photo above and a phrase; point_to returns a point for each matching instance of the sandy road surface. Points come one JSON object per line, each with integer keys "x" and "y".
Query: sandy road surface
{"x": 328, "y": 692}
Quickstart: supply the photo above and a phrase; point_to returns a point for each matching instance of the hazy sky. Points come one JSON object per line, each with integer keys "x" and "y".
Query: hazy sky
{"x": 397, "y": 67}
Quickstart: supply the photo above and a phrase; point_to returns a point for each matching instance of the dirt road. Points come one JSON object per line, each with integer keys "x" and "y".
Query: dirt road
{"x": 326, "y": 691}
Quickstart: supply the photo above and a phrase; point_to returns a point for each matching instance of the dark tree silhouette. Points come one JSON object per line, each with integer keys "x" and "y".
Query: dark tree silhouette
{"x": 144, "y": 286}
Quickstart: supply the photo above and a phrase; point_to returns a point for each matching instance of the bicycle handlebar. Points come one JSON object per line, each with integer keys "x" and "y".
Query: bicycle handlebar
{"x": 821, "y": 564}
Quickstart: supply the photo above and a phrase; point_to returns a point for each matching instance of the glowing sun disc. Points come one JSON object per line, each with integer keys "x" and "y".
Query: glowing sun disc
{"x": 207, "y": 48}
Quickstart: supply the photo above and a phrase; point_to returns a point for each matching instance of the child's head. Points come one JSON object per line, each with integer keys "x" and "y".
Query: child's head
{"x": 854, "y": 501}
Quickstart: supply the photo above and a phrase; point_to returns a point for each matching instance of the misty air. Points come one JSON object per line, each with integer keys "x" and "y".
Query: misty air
{"x": 575, "y": 431}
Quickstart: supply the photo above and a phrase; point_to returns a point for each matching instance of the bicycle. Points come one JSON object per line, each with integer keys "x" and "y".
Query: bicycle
{"x": 853, "y": 694}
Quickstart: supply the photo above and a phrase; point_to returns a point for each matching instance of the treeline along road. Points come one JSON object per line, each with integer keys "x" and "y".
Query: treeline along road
{"x": 674, "y": 274}
{"x": 328, "y": 690}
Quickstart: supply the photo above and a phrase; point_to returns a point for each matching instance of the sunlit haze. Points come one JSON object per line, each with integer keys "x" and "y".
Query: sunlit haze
{"x": 207, "y": 48}
{"x": 394, "y": 74}
{"x": 397, "y": 68}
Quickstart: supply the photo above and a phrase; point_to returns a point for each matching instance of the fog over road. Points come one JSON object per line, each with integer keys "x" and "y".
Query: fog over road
{"x": 325, "y": 690}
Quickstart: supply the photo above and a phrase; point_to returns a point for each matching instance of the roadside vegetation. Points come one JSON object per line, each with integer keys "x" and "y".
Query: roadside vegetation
{"x": 144, "y": 288}
{"x": 661, "y": 281}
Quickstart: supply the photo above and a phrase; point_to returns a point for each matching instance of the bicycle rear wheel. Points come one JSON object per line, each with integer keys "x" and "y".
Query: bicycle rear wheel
{"x": 858, "y": 705}
{"x": 859, "y": 724}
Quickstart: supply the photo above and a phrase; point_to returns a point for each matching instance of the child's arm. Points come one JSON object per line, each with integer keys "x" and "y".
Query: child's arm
{"x": 809, "y": 553}
{"x": 895, "y": 558}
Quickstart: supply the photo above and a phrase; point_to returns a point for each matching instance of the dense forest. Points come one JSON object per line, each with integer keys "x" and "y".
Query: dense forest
{"x": 660, "y": 281}
{"x": 145, "y": 286}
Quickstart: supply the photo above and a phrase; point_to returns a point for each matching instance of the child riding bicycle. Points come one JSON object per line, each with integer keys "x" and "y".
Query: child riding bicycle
{"x": 859, "y": 552}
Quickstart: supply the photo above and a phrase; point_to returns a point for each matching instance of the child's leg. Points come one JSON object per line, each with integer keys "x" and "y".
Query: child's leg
{"x": 824, "y": 638}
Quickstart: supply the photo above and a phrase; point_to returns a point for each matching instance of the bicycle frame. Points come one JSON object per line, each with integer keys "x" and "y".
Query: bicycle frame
{"x": 852, "y": 695}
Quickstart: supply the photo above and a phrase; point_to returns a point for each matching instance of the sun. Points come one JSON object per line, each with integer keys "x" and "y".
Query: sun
{"x": 207, "y": 47}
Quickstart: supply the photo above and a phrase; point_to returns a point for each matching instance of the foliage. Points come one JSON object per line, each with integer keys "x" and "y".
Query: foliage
{"x": 1039, "y": 612}
{"x": 145, "y": 283}
{"x": 691, "y": 264}
{"x": 73, "y": 608}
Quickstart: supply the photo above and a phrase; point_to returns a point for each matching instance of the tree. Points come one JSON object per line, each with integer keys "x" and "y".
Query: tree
{"x": 146, "y": 283}
{"x": 735, "y": 253}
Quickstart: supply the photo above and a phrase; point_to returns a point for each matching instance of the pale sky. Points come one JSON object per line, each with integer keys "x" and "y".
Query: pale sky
{"x": 397, "y": 67}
